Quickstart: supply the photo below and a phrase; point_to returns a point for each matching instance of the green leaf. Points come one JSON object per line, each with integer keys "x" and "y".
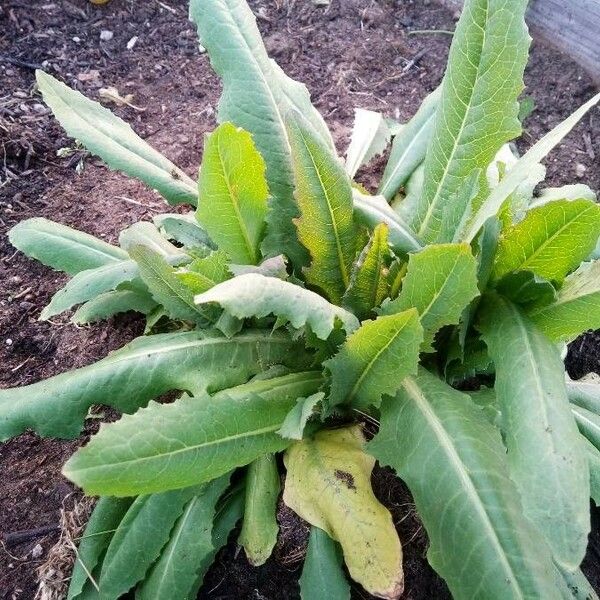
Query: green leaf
{"x": 257, "y": 95}
{"x": 295, "y": 421}
{"x": 139, "y": 539}
{"x": 368, "y": 280}
{"x": 166, "y": 287}
{"x": 111, "y": 303}
{"x": 593, "y": 457}
{"x": 176, "y": 571}
{"x": 454, "y": 463}
{"x": 522, "y": 169}
{"x": 204, "y": 273}
{"x": 579, "y": 588}
{"x": 525, "y": 287}
{"x": 409, "y": 147}
{"x": 440, "y": 282}
{"x": 322, "y": 573}
{"x": 584, "y": 393}
{"x": 550, "y": 241}
{"x": 90, "y": 283}
{"x": 143, "y": 369}
{"x": 545, "y": 458}
{"x": 478, "y": 108}
{"x": 110, "y": 138}
{"x": 374, "y": 360}
{"x": 105, "y": 519}
{"x": 61, "y": 247}
{"x": 146, "y": 234}
{"x": 233, "y": 193}
{"x": 373, "y": 210}
{"x": 271, "y": 267}
{"x": 588, "y": 423}
{"x": 184, "y": 229}
{"x": 254, "y": 295}
{"x": 328, "y": 484}
{"x": 191, "y": 441}
{"x": 259, "y": 530}
{"x": 576, "y": 308}
{"x": 324, "y": 195}
{"x": 370, "y": 137}
{"x": 575, "y": 191}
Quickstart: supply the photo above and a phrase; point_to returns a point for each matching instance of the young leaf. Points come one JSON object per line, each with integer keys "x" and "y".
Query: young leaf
{"x": 584, "y": 393}
{"x": 105, "y": 519}
{"x": 545, "y": 457}
{"x": 233, "y": 193}
{"x": 440, "y": 282}
{"x": 521, "y": 170}
{"x": 143, "y": 369}
{"x": 259, "y": 530}
{"x": 139, "y": 538}
{"x": 254, "y": 295}
{"x": 368, "y": 280}
{"x": 375, "y": 359}
{"x": 322, "y": 573}
{"x": 325, "y": 227}
{"x": 527, "y": 288}
{"x": 576, "y": 308}
{"x": 169, "y": 446}
{"x": 550, "y": 241}
{"x": 409, "y": 147}
{"x": 204, "y": 273}
{"x": 111, "y": 303}
{"x": 328, "y": 484}
{"x": 110, "y": 138}
{"x": 175, "y": 572}
{"x": 61, "y": 247}
{"x": 146, "y": 234}
{"x": 593, "y": 457}
{"x": 373, "y": 210}
{"x": 257, "y": 95}
{"x": 90, "y": 283}
{"x": 295, "y": 421}
{"x": 588, "y": 423}
{"x": 370, "y": 137}
{"x": 454, "y": 463}
{"x": 166, "y": 287}
{"x": 478, "y": 108}
{"x": 184, "y": 229}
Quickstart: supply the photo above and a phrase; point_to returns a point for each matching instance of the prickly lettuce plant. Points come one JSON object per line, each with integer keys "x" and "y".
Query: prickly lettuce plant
{"x": 291, "y": 306}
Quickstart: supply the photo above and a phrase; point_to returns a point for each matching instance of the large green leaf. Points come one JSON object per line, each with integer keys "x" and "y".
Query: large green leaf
{"x": 113, "y": 140}
{"x": 550, "y": 241}
{"x": 328, "y": 484}
{"x": 143, "y": 369}
{"x": 111, "y": 303}
{"x": 523, "y": 168}
{"x": 233, "y": 193}
{"x": 545, "y": 458}
{"x": 440, "y": 282}
{"x": 139, "y": 539}
{"x": 326, "y": 226}
{"x": 478, "y": 109}
{"x": 409, "y": 147}
{"x": 368, "y": 280}
{"x": 61, "y": 247}
{"x": 90, "y": 283}
{"x": 373, "y": 210}
{"x": 175, "y": 573}
{"x": 257, "y": 95}
{"x": 254, "y": 295}
{"x": 322, "y": 573}
{"x": 374, "y": 360}
{"x": 166, "y": 287}
{"x": 190, "y": 441}
{"x": 454, "y": 463}
{"x": 259, "y": 530}
{"x": 576, "y": 308}
{"x": 105, "y": 519}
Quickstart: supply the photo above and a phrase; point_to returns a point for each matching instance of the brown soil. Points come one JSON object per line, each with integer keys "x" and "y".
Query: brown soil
{"x": 350, "y": 53}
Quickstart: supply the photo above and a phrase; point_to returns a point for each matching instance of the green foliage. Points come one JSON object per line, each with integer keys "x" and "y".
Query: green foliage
{"x": 291, "y": 307}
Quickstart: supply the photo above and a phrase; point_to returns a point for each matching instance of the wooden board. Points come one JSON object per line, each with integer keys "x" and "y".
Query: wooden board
{"x": 571, "y": 26}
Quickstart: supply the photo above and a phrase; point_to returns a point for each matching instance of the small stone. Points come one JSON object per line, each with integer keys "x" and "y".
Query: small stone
{"x": 132, "y": 42}
{"x": 580, "y": 170}
{"x": 76, "y": 39}
{"x": 37, "y": 551}
{"x": 106, "y": 35}
{"x": 8, "y": 342}
{"x": 15, "y": 279}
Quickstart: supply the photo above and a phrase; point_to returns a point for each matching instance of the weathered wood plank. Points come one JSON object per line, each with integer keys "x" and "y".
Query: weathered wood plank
{"x": 572, "y": 26}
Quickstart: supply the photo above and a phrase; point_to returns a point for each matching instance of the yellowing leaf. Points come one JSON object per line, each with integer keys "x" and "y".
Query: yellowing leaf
{"x": 329, "y": 485}
{"x": 233, "y": 193}
{"x": 551, "y": 240}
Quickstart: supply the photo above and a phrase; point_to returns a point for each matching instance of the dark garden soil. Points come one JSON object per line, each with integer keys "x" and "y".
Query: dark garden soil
{"x": 350, "y": 53}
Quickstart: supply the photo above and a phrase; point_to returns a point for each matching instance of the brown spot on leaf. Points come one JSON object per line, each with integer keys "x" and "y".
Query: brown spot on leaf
{"x": 346, "y": 477}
